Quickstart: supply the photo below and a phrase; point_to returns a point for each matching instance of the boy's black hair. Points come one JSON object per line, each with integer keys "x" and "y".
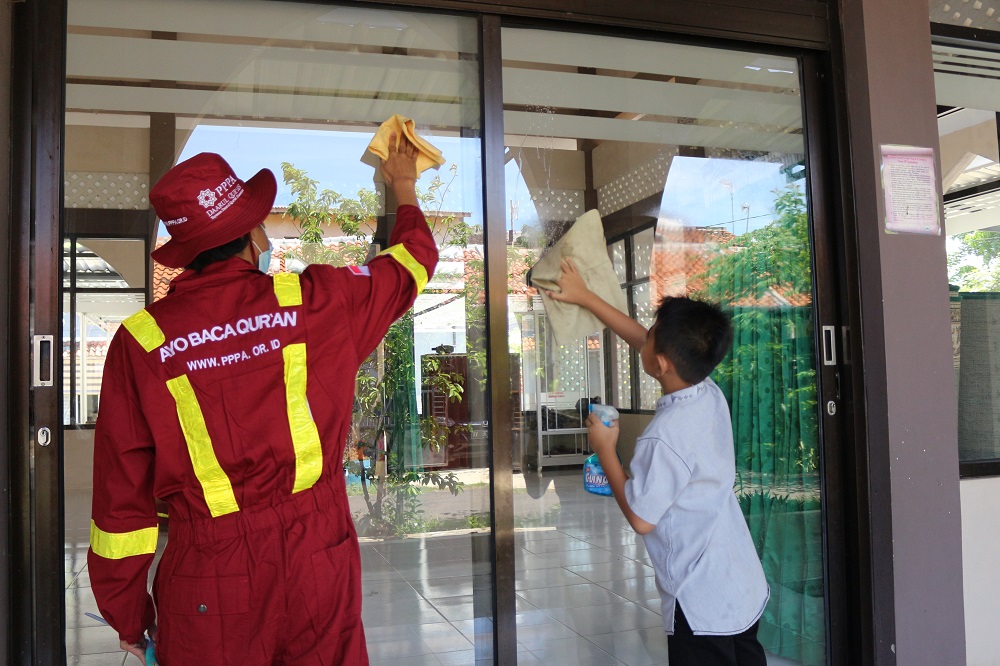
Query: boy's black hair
{"x": 218, "y": 253}
{"x": 694, "y": 335}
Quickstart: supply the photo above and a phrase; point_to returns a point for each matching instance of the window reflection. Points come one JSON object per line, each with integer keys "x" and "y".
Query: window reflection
{"x": 104, "y": 282}
{"x": 694, "y": 159}
{"x": 300, "y": 89}
{"x": 970, "y": 175}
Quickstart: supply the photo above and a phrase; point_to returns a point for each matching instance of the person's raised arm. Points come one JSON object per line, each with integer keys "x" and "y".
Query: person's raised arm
{"x": 400, "y": 171}
{"x": 574, "y": 290}
{"x": 401, "y": 271}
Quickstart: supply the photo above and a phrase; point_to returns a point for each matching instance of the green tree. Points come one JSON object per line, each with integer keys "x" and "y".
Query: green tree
{"x": 384, "y": 387}
{"x": 773, "y": 256}
{"x": 764, "y": 279}
{"x": 973, "y": 265}
{"x": 313, "y": 209}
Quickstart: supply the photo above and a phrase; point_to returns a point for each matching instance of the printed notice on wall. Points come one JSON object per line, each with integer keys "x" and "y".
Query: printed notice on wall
{"x": 910, "y": 187}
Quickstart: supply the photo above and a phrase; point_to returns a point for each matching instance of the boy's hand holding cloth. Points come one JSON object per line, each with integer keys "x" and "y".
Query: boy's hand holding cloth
{"x": 585, "y": 245}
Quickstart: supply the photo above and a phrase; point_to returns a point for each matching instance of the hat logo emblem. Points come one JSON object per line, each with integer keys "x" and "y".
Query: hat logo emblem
{"x": 207, "y": 198}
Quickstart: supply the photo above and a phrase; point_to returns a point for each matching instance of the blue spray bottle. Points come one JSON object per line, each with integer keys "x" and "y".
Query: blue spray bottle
{"x": 594, "y": 480}
{"x": 151, "y": 652}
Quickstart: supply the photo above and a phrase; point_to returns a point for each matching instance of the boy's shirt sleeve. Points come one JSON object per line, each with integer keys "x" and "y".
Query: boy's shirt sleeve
{"x": 124, "y": 524}
{"x": 658, "y": 475}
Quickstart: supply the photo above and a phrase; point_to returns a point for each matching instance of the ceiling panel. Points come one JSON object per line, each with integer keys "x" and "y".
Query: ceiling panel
{"x": 109, "y": 58}
{"x": 268, "y": 20}
{"x": 264, "y": 106}
{"x": 614, "y": 129}
{"x": 608, "y": 93}
{"x": 659, "y": 58}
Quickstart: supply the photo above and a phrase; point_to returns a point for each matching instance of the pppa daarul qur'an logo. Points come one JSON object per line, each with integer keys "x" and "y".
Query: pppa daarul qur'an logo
{"x": 206, "y": 198}
{"x": 217, "y": 200}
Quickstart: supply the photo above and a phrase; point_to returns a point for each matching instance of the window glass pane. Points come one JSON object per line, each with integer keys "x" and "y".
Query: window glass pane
{"x": 110, "y": 263}
{"x": 712, "y": 139}
{"x": 623, "y": 374}
{"x": 970, "y": 167}
{"x": 568, "y": 375}
{"x": 98, "y": 318}
{"x": 67, "y": 267}
{"x": 618, "y": 260}
{"x": 300, "y": 89}
{"x": 104, "y": 280}
{"x": 649, "y": 388}
{"x": 642, "y": 253}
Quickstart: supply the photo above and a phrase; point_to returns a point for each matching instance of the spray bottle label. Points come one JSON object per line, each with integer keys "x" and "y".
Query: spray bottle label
{"x": 594, "y": 480}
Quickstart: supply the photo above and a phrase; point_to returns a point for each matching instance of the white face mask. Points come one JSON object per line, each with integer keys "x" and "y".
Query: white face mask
{"x": 263, "y": 257}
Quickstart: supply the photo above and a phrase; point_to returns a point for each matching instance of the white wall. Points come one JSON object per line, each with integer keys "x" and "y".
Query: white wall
{"x": 980, "y": 545}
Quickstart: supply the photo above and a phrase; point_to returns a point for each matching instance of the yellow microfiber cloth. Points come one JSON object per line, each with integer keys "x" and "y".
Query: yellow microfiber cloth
{"x": 427, "y": 157}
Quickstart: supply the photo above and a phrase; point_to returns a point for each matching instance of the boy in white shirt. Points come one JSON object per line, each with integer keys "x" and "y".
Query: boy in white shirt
{"x": 680, "y": 497}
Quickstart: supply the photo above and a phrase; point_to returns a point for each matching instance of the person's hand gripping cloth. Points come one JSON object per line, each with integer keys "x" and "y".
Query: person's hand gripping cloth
{"x": 585, "y": 245}
{"x": 427, "y": 157}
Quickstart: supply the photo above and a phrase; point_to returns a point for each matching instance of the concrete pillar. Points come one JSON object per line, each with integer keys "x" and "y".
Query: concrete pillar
{"x": 912, "y": 482}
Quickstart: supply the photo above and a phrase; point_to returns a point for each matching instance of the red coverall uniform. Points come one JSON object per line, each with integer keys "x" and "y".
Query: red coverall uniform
{"x": 231, "y": 399}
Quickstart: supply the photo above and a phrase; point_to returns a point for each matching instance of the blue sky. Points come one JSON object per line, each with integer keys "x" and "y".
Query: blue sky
{"x": 712, "y": 192}
{"x": 698, "y": 191}
{"x": 334, "y": 159}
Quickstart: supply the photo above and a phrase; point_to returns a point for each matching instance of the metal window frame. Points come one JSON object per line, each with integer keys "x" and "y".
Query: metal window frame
{"x": 631, "y": 282}
{"x": 986, "y": 40}
{"x": 72, "y": 290}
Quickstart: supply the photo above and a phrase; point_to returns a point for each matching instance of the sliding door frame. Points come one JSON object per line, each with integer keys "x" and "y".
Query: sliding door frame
{"x": 38, "y": 631}
{"x": 844, "y": 629}
{"x": 799, "y": 28}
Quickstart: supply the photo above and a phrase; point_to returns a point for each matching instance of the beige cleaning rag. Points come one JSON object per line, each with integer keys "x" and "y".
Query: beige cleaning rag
{"x": 585, "y": 245}
{"x": 427, "y": 157}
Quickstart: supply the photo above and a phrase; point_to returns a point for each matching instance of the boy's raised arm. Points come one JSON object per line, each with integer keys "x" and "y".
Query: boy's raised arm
{"x": 574, "y": 290}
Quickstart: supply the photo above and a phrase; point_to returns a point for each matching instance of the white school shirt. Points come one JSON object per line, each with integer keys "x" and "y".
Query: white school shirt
{"x": 682, "y": 480}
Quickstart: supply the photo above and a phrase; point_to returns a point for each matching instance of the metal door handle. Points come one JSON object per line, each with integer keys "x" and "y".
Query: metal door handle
{"x": 42, "y": 361}
{"x": 829, "y": 345}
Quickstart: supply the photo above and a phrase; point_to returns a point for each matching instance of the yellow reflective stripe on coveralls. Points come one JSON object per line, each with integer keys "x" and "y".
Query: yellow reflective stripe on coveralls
{"x": 287, "y": 289}
{"x": 406, "y": 260}
{"x": 305, "y": 435}
{"x": 214, "y": 482}
{"x": 115, "y": 546}
{"x": 144, "y": 329}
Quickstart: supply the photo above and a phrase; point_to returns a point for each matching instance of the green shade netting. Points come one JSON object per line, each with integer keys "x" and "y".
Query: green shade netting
{"x": 769, "y": 379}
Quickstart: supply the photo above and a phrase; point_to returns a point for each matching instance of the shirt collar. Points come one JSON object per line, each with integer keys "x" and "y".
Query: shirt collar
{"x": 218, "y": 271}
{"x": 683, "y": 395}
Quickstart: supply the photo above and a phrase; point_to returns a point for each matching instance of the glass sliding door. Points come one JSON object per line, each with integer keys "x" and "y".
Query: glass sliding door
{"x": 695, "y": 160}
{"x": 300, "y": 89}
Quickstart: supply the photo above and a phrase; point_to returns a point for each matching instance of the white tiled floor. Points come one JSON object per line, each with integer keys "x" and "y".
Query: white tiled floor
{"x": 585, "y": 591}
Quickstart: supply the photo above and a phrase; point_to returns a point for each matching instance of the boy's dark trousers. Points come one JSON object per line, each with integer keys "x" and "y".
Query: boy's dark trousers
{"x": 686, "y": 649}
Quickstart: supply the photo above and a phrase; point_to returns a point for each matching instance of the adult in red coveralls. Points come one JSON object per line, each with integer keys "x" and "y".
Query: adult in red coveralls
{"x": 230, "y": 399}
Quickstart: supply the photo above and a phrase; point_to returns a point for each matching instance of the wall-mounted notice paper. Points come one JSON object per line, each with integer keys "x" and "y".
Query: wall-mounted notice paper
{"x": 910, "y": 186}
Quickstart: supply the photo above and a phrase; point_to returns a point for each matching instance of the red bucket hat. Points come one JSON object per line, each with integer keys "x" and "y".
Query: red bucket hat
{"x": 204, "y": 205}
